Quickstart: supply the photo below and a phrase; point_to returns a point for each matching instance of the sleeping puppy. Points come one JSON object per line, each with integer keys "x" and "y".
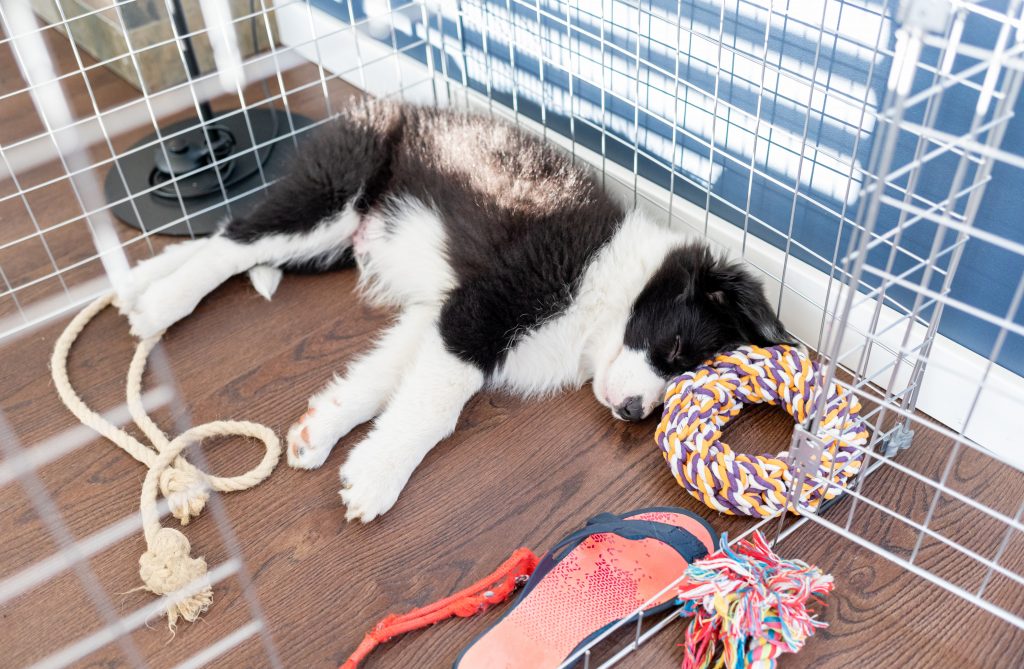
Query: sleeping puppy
{"x": 508, "y": 267}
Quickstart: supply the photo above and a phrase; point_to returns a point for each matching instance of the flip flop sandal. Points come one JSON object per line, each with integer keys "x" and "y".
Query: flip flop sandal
{"x": 590, "y": 580}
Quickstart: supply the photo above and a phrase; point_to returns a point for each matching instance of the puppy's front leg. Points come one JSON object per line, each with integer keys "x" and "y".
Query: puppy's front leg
{"x": 361, "y": 393}
{"x": 422, "y": 412}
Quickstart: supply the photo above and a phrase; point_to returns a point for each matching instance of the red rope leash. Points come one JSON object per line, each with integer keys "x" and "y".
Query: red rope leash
{"x": 475, "y": 599}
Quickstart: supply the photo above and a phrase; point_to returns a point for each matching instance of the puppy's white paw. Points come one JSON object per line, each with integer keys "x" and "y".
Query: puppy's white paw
{"x": 151, "y": 270}
{"x": 134, "y": 287}
{"x": 309, "y": 441}
{"x": 151, "y": 315}
{"x": 125, "y": 297}
{"x": 161, "y": 305}
{"x": 371, "y": 480}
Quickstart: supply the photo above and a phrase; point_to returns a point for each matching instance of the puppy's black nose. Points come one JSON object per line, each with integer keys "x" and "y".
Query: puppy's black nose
{"x": 632, "y": 409}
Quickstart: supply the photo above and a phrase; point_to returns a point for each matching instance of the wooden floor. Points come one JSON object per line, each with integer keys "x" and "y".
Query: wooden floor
{"x": 514, "y": 474}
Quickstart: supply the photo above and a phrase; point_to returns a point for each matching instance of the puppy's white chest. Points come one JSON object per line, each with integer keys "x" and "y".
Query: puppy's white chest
{"x": 548, "y": 359}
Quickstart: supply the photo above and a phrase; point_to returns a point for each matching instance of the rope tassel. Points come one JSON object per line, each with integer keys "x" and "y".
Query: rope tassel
{"x": 167, "y": 567}
{"x": 752, "y": 602}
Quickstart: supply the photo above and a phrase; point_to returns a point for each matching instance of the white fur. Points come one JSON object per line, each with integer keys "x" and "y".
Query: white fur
{"x": 174, "y": 283}
{"x": 409, "y": 265}
{"x": 265, "y": 279}
{"x": 582, "y": 343}
{"x": 350, "y": 400}
{"x": 424, "y": 387}
{"x": 153, "y": 269}
{"x": 423, "y": 411}
{"x": 631, "y": 375}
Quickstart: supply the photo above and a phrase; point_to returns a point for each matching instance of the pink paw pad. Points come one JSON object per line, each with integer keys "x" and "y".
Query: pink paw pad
{"x": 303, "y": 438}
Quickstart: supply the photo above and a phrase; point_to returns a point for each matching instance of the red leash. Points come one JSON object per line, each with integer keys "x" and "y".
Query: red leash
{"x": 475, "y": 599}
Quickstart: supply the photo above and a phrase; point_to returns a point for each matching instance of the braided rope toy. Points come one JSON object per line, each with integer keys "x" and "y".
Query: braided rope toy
{"x": 700, "y": 403}
{"x": 752, "y": 602}
{"x": 166, "y": 568}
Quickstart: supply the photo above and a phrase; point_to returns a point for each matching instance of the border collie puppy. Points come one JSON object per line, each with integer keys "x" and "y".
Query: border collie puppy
{"x": 507, "y": 264}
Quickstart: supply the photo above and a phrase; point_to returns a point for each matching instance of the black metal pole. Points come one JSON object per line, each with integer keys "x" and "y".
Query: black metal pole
{"x": 181, "y": 28}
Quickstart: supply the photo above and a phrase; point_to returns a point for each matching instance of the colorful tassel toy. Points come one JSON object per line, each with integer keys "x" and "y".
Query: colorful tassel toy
{"x": 750, "y": 600}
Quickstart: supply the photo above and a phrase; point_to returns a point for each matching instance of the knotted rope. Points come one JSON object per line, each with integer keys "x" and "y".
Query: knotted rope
{"x": 698, "y": 405}
{"x": 748, "y": 606}
{"x": 166, "y": 567}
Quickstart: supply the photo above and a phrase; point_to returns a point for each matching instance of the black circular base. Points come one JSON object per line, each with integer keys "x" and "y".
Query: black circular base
{"x": 198, "y": 210}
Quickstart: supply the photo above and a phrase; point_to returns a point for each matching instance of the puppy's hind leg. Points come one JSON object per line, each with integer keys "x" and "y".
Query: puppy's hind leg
{"x": 422, "y": 412}
{"x": 170, "y": 298}
{"x": 350, "y": 400}
{"x": 152, "y": 269}
{"x": 173, "y": 296}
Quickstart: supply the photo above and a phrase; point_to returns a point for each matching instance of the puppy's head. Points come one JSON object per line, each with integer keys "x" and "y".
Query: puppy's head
{"x": 692, "y": 308}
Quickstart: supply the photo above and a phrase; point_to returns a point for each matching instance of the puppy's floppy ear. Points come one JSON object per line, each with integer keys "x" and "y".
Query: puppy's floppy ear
{"x": 758, "y": 318}
{"x": 688, "y": 286}
{"x": 740, "y": 292}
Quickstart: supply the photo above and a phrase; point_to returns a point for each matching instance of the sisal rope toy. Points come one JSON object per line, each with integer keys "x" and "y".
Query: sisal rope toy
{"x": 698, "y": 405}
{"x": 166, "y": 568}
{"x": 752, "y": 602}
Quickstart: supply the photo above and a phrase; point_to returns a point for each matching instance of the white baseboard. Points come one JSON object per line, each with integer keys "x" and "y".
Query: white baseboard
{"x": 950, "y": 386}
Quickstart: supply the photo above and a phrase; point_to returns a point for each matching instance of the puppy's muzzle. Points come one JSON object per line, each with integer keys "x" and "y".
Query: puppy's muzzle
{"x": 632, "y": 409}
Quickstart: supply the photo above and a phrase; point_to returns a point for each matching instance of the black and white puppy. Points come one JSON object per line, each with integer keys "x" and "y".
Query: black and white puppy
{"x": 508, "y": 265}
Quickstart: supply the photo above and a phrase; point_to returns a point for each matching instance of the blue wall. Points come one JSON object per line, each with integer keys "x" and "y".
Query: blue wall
{"x": 851, "y": 79}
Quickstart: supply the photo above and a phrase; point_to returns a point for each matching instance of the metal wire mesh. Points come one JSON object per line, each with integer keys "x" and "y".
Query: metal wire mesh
{"x": 668, "y": 101}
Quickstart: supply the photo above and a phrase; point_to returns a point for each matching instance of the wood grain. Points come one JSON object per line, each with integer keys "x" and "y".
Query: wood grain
{"x": 515, "y": 473}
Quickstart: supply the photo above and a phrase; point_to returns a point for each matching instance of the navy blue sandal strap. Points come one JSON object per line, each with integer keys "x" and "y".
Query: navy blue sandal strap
{"x": 681, "y": 540}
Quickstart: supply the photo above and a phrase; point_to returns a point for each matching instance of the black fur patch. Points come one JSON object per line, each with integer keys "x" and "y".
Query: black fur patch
{"x": 696, "y": 306}
{"x": 515, "y": 268}
{"x": 344, "y": 159}
{"x": 522, "y": 224}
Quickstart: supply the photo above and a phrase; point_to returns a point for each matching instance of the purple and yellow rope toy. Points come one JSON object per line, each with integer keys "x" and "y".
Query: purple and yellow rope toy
{"x": 700, "y": 403}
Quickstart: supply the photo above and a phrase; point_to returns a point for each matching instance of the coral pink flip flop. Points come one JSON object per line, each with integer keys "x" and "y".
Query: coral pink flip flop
{"x": 590, "y": 580}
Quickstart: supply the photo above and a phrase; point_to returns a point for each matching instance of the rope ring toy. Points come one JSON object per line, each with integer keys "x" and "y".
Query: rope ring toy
{"x": 700, "y": 403}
